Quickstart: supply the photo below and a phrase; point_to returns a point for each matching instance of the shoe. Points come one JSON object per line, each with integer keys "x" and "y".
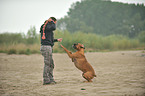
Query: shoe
{"x": 46, "y": 83}
{"x": 53, "y": 82}
{"x": 49, "y": 83}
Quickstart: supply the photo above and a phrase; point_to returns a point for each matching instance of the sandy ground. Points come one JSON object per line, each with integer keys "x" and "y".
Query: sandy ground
{"x": 120, "y": 73}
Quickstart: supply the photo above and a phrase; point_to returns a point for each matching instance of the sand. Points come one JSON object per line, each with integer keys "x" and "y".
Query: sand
{"x": 120, "y": 73}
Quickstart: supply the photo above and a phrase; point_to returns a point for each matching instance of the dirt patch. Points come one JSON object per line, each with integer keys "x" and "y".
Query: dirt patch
{"x": 120, "y": 73}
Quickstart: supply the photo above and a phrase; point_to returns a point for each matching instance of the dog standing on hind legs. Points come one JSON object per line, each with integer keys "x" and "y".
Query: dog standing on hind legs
{"x": 81, "y": 62}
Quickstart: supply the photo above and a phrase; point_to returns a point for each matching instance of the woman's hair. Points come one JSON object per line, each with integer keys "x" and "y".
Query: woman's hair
{"x": 44, "y": 25}
{"x": 53, "y": 18}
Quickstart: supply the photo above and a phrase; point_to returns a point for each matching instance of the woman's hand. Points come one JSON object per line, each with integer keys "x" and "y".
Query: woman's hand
{"x": 59, "y": 40}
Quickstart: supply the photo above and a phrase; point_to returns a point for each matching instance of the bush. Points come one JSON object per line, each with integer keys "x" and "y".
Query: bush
{"x": 28, "y": 52}
{"x": 12, "y": 51}
{"x": 22, "y": 52}
{"x": 141, "y": 37}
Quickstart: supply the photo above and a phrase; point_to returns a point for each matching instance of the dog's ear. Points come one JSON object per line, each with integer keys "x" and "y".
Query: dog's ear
{"x": 83, "y": 46}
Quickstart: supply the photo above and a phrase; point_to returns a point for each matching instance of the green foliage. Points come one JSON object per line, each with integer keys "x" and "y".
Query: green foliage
{"x": 91, "y": 41}
{"x": 105, "y": 18}
{"x": 15, "y": 38}
{"x": 32, "y": 36}
{"x": 142, "y": 36}
{"x": 10, "y": 38}
{"x": 95, "y": 42}
{"x": 28, "y": 51}
{"x": 12, "y": 51}
{"x": 19, "y": 43}
{"x": 22, "y": 52}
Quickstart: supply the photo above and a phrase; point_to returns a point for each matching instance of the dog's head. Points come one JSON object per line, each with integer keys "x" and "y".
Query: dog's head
{"x": 78, "y": 46}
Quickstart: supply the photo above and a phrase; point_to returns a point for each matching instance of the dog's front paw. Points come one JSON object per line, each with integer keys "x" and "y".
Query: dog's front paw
{"x": 70, "y": 52}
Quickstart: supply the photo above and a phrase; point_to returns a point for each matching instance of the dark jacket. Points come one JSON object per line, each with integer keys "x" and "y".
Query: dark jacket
{"x": 50, "y": 27}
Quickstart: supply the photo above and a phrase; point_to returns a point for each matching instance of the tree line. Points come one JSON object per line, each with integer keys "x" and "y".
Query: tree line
{"x": 104, "y": 17}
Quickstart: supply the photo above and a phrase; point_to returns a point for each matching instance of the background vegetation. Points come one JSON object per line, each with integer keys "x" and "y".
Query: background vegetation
{"x": 19, "y": 43}
{"x": 16, "y": 43}
{"x": 99, "y": 25}
{"x": 105, "y": 18}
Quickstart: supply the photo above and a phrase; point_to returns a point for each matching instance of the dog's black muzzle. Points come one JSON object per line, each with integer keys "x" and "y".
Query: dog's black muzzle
{"x": 74, "y": 46}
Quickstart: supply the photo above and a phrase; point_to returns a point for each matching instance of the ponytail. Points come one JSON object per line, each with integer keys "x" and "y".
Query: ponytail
{"x": 43, "y": 29}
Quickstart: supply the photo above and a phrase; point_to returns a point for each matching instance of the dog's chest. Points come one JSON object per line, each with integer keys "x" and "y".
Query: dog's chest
{"x": 76, "y": 63}
{"x": 74, "y": 60}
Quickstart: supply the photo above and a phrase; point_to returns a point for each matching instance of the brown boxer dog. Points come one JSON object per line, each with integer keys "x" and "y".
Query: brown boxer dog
{"x": 81, "y": 62}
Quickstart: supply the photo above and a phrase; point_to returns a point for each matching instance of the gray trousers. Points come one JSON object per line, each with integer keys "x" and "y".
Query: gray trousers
{"x": 48, "y": 63}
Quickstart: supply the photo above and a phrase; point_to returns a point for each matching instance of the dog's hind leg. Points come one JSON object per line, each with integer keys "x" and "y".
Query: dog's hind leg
{"x": 87, "y": 76}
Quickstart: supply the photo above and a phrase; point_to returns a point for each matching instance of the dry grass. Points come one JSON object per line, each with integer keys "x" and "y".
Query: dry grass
{"x": 20, "y": 48}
